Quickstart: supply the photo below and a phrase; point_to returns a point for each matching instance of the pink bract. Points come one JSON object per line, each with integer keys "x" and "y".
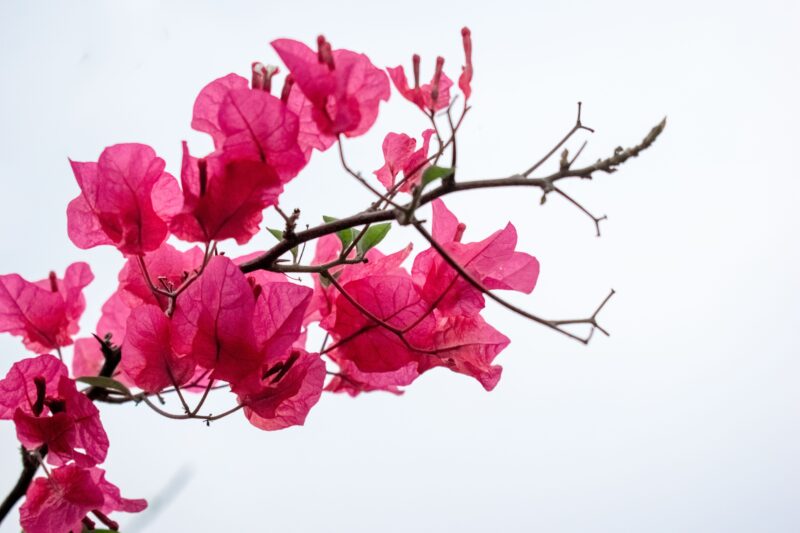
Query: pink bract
{"x": 223, "y": 197}
{"x": 279, "y": 311}
{"x": 44, "y": 313}
{"x": 17, "y": 389}
{"x": 59, "y": 503}
{"x": 283, "y": 398}
{"x": 148, "y": 358}
{"x": 434, "y": 313}
{"x": 309, "y": 136}
{"x": 112, "y": 498}
{"x": 423, "y": 96}
{"x": 213, "y": 322}
{"x": 74, "y": 433}
{"x": 400, "y": 156}
{"x": 126, "y": 200}
{"x": 250, "y": 124}
{"x": 48, "y": 409}
{"x": 492, "y": 262}
{"x": 344, "y": 88}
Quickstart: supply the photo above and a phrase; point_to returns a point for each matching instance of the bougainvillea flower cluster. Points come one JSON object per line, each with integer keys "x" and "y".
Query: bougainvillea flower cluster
{"x": 434, "y": 314}
{"x": 192, "y": 317}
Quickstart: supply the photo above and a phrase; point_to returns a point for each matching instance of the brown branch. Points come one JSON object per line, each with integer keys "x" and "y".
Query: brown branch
{"x": 552, "y": 324}
{"x": 30, "y": 465}
{"x": 316, "y": 269}
{"x": 574, "y": 202}
{"x": 578, "y": 126}
{"x": 267, "y": 261}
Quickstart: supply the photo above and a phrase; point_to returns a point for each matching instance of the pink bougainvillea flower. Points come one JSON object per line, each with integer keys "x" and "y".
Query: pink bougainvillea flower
{"x": 48, "y": 409}
{"x": 309, "y": 136}
{"x": 466, "y": 344}
{"x": 61, "y": 501}
{"x": 148, "y": 358}
{"x": 18, "y": 389}
{"x": 224, "y": 197}
{"x": 205, "y": 115}
{"x": 371, "y": 357}
{"x": 72, "y": 431}
{"x": 44, "y": 313}
{"x": 286, "y": 392}
{"x": 400, "y": 156}
{"x": 430, "y": 97}
{"x": 492, "y": 262}
{"x": 213, "y": 322}
{"x": 344, "y": 88}
{"x": 385, "y": 290}
{"x": 278, "y": 317}
{"x": 126, "y": 200}
{"x": 388, "y": 326}
{"x": 465, "y": 80}
{"x": 249, "y": 124}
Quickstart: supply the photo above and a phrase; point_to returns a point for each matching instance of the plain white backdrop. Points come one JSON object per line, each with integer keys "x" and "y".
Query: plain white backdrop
{"x": 686, "y": 419}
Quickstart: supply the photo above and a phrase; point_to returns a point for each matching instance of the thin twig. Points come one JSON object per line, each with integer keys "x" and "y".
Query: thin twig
{"x": 360, "y": 178}
{"x": 552, "y": 324}
{"x": 578, "y": 126}
{"x": 267, "y": 260}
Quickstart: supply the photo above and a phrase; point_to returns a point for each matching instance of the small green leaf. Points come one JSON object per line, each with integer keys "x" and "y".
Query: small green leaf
{"x": 278, "y": 234}
{"x": 345, "y": 235}
{"x": 372, "y": 237}
{"x": 106, "y": 383}
{"x": 434, "y": 173}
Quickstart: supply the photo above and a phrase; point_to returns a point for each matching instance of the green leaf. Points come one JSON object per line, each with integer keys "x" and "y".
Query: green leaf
{"x": 106, "y": 383}
{"x": 278, "y": 234}
{"x": 434, "y": 173}
{"x": 345, "y": 235}
{"x": 372, "y": 237}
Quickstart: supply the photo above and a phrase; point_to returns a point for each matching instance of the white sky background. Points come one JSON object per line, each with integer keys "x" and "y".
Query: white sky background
{"x": 686, "y": 419}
